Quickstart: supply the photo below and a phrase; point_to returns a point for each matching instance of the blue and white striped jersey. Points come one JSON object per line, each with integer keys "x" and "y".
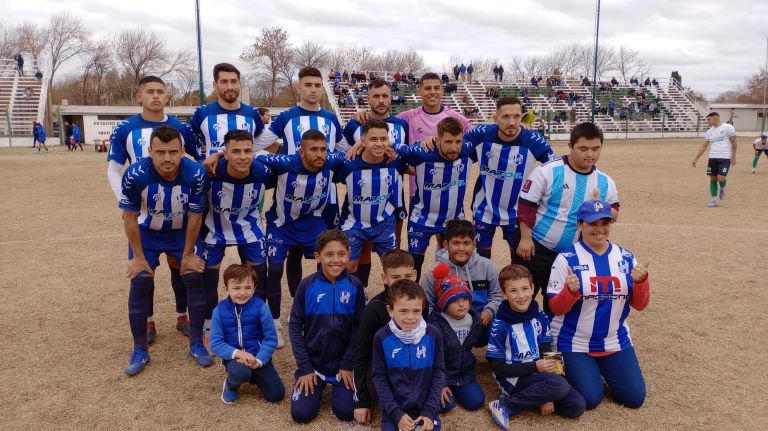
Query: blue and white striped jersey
{"x": 517, "y": 343}
{"x": 130, "y": 139}
{"x": 299, "y": 192}
{"x": 162, "y": 205}
{"x": 440, "y": 184}
{"x": 503, "y": 167}
{"x": 233, "y": 205}
{"x": 559, "y": 191}
{"x": 597, "y": 322}
{"x": 211, "y": 122}
{"x": 289, "y": 125}
{"x": 398, "y": 131}
{"x": 373, "y": 191}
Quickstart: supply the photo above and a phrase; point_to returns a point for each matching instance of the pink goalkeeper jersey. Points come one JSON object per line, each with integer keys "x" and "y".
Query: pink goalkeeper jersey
{"x": 422, "y": 125}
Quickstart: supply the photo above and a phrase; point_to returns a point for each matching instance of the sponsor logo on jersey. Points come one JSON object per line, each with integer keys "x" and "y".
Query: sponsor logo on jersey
{"x": 527, "y": 185}
{"x": 580, "y": 267}
{"x": 568, "y": 254}
{"x": 362, "y": 184}
{"x": 529, "y": 354}
{"x": 498, "y": 173}
{"x": 303, "y": 199}
{"x": 442, "y": 186}
{"x": 370, "y": 200}
{"x": 156, "y": 197}
{"x": 221, "y": 194}
{"x": 234, "y": 211}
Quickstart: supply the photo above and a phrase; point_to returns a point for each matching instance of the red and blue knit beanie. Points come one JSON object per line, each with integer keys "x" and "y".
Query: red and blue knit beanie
{"x": 449, "y": 287}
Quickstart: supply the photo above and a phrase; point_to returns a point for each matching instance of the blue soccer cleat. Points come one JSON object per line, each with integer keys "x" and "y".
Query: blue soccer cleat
{"x": 201, "y": 355}
{"x": 139, "y": 359}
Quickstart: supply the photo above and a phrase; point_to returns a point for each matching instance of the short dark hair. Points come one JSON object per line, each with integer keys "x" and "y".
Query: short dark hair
{"x": 237, "y": 135}
{"x": 585, "y": 130}
{"x": 313, "y": 135}
{"x": 150, "y": 78}
{"x": 451, "y": 126}
{"x": 713, "y": 114}
{"x": 165, "y": 134}
{"x": 405, "y": 288}
{"x": 329, "y": 236}
{"x": 428, "y": 76}
{"x": 514, "y": 272}
{"x": 396, "y": 258}
{"x": 375, "y": 124}
{"x": 240, "y": 272}
{"x": 377, "y": 83}
{"x": 310, "y": 71}
{"x": 224, "y": 67}
{"x": 458, "y": 228}
{"x": 508, "y": 100}
{"x": 262, "y": 111}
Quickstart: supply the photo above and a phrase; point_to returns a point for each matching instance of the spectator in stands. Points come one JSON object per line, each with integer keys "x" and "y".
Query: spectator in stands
{"x": 394, "y": 87}
{"x": 677, "y": 79}
{"x": 361, "y": 100}
{"x": 614, "y": 82}
{"x": 655, "y": 82}
{"x": 464, "y": 99}
{"x": 611, "y": 107}
{"x": 634, "y": 82}
{"x": 337, "y": 77}
{"x": 585, "y": 82}
{"x": 470, "y": 71}
{"x": 456, "y": 72}
{"x": 572, "y": 115}
{"x": 563, "y": 116}
{"x": 444, "y": 79}
{"x": 345, "y": 76}
{"x": 501, "y": 72}
{"x": 463, "y": 72}
{"x": 534, "y": 82}
{"x": 349, "y": 100}
{"x": 655, "y": 112}
{"x": 527, "y": 100}
{"x": 27, "y": 93}
{"x": 647, "y": 82}
{"x": 411, "y": 78}
{"x": 551, "y": 97}
{"x": 495, "y": 73}
{"x": 331, "y": 75}
{"x": 19, "y": 63}
{"x": 396, "y": 77}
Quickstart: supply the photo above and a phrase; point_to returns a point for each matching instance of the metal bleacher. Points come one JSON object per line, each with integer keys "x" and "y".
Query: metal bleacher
{"x": 678, "y": 112}
{"x": 22, "y": 98}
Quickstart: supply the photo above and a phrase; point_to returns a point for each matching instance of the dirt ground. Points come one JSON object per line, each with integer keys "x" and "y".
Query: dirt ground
{"x": 63, "y": 293}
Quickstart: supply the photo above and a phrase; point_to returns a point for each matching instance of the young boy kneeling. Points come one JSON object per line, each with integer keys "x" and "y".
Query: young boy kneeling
{"x": 519, "y": 336}
{"x": 244, "y": 336}
{"x": 408, "y": 364}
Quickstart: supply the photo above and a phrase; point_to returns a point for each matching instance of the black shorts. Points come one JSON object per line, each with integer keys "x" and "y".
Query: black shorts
{"x": 718, "y": 167}
{"x": 761, "y": 150}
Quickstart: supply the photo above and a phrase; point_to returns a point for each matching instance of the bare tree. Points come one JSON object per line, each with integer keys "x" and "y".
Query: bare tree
{"x": 533, "y": 65}
{"x": 30, "y": 38}
{"x": 629, "y": 63}
{"x": 141, "y": 52}
{"x": 353, "y": 57}
{"x": 66, "y": 37}
{"x": 413, "y": 61}
{"x": 267, "y": 57}
{"x": 186, "y": 79}
{"x": 98, "y": 62}
{"x": 311, "y": 54}
{"x": 8, "y": 46}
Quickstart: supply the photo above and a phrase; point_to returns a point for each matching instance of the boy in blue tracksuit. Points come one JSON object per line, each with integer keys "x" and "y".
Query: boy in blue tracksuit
{"x": 244, "y": 337}
{"x": 460, "y": 327}
{"x": 408, "y": 367}
{"x": 324, "y": 320}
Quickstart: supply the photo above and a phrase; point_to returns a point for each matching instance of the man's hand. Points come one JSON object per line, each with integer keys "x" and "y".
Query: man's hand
{"x": 347, "y": 378}
{"x": 525, "y": 248}
{"x": 640, "y": 272}
{"x": 485, "y": 318}
{"x": 246, "y": 359}
{"x": 547, "y": 408}
{"x": 136, "y": 266}
{"x": 445, "y": 396}
{"x": 306, "y": 383}
{"x": 191, "y": 263}
{"x": 362, "y": 416}
{"x": 427, "y": 424}
{"x": 362, "y": 116}
{"x": 546, "y": 365}
{"x": 210, "y": 163}
{"x": 429, "y": 143}
{"x": 354, "y": 151}
{"x": 733, "y": 160}
{"x": 406, "y": 423}
{"x": 572, "y": 281}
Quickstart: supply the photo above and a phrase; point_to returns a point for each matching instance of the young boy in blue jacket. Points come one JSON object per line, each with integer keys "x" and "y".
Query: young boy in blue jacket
{"x": 244, "y": 337}
{"x": 460, "y": 327}
{"x": 518, "y": 339}
{"x": 408, "y": 363}
{"x": 324, "y": 320}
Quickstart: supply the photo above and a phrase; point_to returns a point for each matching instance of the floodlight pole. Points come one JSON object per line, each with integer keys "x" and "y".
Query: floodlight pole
{"x": 765, "y": 86}
{"x": 594, "y": 65}
{"x": 199, "y": 52}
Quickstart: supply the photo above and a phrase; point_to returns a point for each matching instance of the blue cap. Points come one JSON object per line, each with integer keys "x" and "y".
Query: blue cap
{"x": 594, "y": 210}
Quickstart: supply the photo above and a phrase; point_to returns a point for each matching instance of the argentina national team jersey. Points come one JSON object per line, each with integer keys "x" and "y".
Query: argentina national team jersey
{"x": 233, "y": 211}
{"x": 211, "y": 122}
{"x": 162, "y": 205}
{"x": 373, "y": 191}
{"x": 440, "y": 184}
{"x": 597, "y": 321}
{"x": 398, "y": 131}
{"x": 289, "y": 125}
{"x": 517, "y": 343}
{"x": 559, "y": 191}
{"x": 503, "y": 167}
{"x": 298, "y": 191}
{"x": 130, "y": 139}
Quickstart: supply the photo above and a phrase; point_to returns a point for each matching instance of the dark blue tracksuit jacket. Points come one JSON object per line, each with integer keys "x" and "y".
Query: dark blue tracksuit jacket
{"x": 459, "y": 360}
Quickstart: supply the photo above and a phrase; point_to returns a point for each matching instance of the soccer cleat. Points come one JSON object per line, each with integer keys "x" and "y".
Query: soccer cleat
{"x": 151, "y": 332}
{"x": 722, "y": 193}
{"x": 139, "y": 359}
{"x": 182, "y": 325}
{"x": 201, "y": 355}
{"x": 227, "y": 396}
{"x": 753, "y": 170}
{"x": 499, "y": 414}
{"x": 712, "y": 203}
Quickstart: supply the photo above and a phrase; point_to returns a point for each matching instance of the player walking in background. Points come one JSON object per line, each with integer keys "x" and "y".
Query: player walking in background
{"x": 761, "y": 146}
{"x": 722, "y": 155}
{"x": 40, "y": 137}
{"x": 163, "y": 198}
{"x": 130, "y": 143}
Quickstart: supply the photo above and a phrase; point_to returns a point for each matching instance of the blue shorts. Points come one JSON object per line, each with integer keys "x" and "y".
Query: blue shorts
{"x": 718, "y": 167}
{"x": 301, "y": 233}
{"x": 154, "y": 243}
{"x": 381, "y": 236}
{"x": 485, "y": 233}
{"x": 213, "y": 254}
{"x": 419, "y": 236}
{"x": 331, "y": 216}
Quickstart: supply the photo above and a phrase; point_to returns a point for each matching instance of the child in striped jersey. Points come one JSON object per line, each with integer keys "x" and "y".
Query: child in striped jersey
{"x": 518, "y": 339}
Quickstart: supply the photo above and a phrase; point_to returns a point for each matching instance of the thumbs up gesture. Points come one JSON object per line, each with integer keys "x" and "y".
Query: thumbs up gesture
{"x": 572, "y": 281}
{"x": 640, "y": 272}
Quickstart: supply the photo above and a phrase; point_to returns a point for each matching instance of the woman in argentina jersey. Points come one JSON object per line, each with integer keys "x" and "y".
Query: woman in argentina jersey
{"x": 591, "y": 288}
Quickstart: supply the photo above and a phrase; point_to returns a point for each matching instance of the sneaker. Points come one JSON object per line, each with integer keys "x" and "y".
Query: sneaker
{"x": 499, "y": 414}
{"x": 201, "y": 355}
{"x": 182, "y": 325}
{"x": 151, "y": 332}
{"x": 722, "y": 194}
{"x": 753, "y": 170}
{"x": 139, "y": 359}
{"x": 712, "y": 203}
{"x": 227, "y": 396}
{"x": 278, "y": 327}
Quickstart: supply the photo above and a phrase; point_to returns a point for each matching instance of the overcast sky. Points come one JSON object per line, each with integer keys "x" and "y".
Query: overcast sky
{"x": 714, "y": 45}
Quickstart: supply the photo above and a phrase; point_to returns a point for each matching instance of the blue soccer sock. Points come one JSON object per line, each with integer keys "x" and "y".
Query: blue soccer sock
{"x": 179, "y": 291}
{"x": 151, "y": 309}
{"x": 139, "y": 298}
{"x": 211, "y": 280}
{"x": 197, "y": 305}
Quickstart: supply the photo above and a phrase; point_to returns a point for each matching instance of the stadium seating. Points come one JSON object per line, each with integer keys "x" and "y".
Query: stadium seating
{"x": 20, "y": 96}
